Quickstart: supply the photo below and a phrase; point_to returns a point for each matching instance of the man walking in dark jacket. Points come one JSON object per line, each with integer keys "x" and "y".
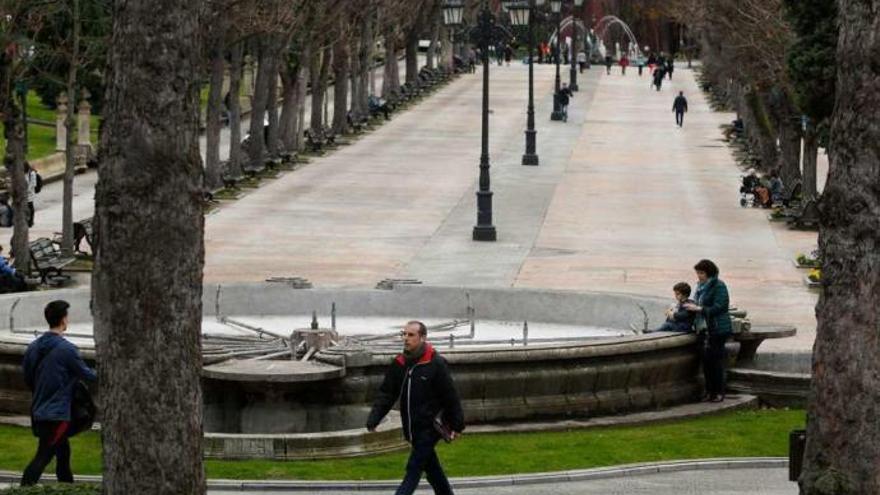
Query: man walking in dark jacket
{"x": 52, "y": 366}
{"x": 680, "y": 106}
{"x": 420, "y": 379}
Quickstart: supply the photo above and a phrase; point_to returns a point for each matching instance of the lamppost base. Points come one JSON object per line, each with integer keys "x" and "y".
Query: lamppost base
{"x": 557, "y": 115}
{"x": 530, "y": 159}
{"x": 484, "y": 233}
{"x": 574, "y": 86}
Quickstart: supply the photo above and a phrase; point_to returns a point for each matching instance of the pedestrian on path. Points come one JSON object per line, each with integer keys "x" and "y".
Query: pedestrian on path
{"x": 624, "y": 62}
{"x": 608, "y": 62}
{"x": 32, "y": 186}
{"x": 430, "y": 409}
{"x": 52, "y": 367}
{"x": 565, "y": 95}
{"x": 680, "y": 106}
{"x": 657, "y": 82}
{"x": 712, "y": 308}
{"x": 670, "y": 66}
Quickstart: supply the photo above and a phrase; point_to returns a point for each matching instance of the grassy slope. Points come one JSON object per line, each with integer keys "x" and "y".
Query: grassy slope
{"x": 735, "y": 434}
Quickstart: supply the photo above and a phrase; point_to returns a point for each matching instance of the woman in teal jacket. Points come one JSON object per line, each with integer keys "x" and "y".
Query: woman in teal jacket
{"x": 713, "y": 320}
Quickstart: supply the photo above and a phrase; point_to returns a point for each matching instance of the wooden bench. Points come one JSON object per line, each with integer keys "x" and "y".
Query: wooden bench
{"x": 314, "y": 143}
{"x": 48, "y": 262}
{"x": 750, "y": 340}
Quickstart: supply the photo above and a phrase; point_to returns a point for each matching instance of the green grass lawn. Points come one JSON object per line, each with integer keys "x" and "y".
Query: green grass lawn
{"x": 41, "y": 139}
{"x": 736, "y": 434}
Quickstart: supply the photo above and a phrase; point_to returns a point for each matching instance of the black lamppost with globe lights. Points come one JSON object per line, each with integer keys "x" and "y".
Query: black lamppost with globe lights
{"x": 486, "y": 33}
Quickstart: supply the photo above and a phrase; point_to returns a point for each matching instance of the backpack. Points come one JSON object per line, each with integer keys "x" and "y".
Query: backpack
{"x": 39, "y": 186}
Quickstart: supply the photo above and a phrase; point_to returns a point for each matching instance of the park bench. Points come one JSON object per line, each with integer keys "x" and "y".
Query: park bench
{"x": 314, "y": 142}
{"x": 751, "y": 339}
{"x": 48, "y": 261}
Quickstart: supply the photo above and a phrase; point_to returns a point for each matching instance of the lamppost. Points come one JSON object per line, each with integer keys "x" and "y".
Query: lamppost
{"x": 522, "y": 13}
{"x": 486, "y": 33}
{"x": 556, "y": 8}
{"x": 573, "y": 77}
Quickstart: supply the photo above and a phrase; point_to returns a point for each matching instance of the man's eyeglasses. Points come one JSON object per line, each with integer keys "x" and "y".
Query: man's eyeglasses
{"x": 408, "y": 334}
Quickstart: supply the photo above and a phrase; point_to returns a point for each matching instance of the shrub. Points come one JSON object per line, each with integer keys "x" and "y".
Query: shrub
{"x": 815, "y": 275}
{"x": 55, "y": 489}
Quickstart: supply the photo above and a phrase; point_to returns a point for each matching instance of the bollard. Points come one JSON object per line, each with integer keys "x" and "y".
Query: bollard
{"x": 333, "y": 315}
{"x": 451, "y": 341}
{"x": 525, "y": 333}
{"x": 314, "y": 320}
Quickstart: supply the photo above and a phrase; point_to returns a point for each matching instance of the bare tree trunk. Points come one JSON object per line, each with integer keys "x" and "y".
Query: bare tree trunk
{"x": 340, "y": 87}
{"x": 355, "y": 79}
{"x": 411, "y": 54}
{"x": 272, "y": 106}
{"x": 289, "y": 111}
{"x": 811, "y": 154}
{"x": 319, "y": 72}
{"x": 433, "y": 47}
{"x": 265, "y": 71}
{"x": 301, "y": 87}
{"x": 70, "y": 155}
{"x": 790, "y": 151}
{"x": 214, "y": 116}
{"x": 147, "y": 281}
{"x": 365, "y": 53}
{"x": 14, "y": 133}
{"x": 843, "y": 441}
{"x": 235, "y": 68}
{"x": 391, "y": 80}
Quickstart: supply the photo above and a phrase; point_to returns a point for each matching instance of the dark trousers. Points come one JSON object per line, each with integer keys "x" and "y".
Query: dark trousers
{"x": 714, "y": 358}
{"x": 30, "y": 214}
{"x": 53, "y": 442}
{"x": 679, "y": 118}
{"x": 423, "y": 458}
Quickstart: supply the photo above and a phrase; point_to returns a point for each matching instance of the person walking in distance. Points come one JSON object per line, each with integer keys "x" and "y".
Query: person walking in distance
{"x": 680, "y": 106}
{"x": 565, "y": 95}
{"x": 32, "y": 189}
{"x": 52, "y": 366}
{"x": 419, "y": 378}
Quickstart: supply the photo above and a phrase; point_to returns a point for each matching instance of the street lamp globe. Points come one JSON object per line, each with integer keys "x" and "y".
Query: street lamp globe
{"x": 519, "y": 13}
{"x": 540, "y": 3}
{"x": 556, "y": 6}
{"x": 453, "y": 12}
{"x": 578, "y": 3}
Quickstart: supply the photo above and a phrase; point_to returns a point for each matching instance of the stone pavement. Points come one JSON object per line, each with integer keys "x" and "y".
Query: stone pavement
{"x": 622, "y": 201}
{"x": 759, "y": 481}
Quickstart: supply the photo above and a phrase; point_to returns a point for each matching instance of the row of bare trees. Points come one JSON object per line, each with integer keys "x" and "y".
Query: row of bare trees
{"x": 779, "y": 60}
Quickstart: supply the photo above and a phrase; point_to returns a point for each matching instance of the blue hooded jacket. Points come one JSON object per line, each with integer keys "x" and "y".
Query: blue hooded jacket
{"x": 51, "y": 366}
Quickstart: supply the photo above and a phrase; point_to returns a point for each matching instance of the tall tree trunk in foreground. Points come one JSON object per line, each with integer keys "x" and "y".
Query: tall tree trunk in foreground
{"x": 147, "y": 282}
{"x": 13, "y": 130}
{"x": 811, "y": 154}
{"x": 843, "y": 440}
{"x": 319, "y": 72}
{"x": 411, "y": 53}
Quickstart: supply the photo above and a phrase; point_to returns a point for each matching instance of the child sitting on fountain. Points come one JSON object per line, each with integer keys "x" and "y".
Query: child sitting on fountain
{"x": 678, "y": 319}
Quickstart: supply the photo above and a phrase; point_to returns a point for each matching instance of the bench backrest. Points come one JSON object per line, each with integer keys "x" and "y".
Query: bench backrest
{"x": 43, "y": 249}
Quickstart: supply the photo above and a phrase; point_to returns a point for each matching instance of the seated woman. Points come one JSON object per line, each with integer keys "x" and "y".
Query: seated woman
{"x": 777, "y": 189}
{"x": 10, "y": 280}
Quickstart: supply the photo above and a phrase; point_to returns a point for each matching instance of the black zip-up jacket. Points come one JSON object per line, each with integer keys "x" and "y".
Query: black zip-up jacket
{"x": 424, "y": 388}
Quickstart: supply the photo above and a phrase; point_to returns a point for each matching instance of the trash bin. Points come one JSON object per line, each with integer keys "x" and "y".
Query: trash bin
{"x": 797, "y": 443}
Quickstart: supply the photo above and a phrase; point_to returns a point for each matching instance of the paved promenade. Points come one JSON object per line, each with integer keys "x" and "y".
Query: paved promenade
{"x": 622, "y": 201}
{"x": 762, "y": 481}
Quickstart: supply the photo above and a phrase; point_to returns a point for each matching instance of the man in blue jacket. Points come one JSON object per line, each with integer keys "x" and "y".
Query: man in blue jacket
{"x": 420, "y": 380}
{"x": 52, "y": 365}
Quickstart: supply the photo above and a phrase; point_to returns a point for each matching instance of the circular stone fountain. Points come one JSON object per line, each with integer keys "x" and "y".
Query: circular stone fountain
{"x": 291, "y": 373}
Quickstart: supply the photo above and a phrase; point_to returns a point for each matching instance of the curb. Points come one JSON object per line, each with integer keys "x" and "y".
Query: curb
{"x": 621, "y": 471}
